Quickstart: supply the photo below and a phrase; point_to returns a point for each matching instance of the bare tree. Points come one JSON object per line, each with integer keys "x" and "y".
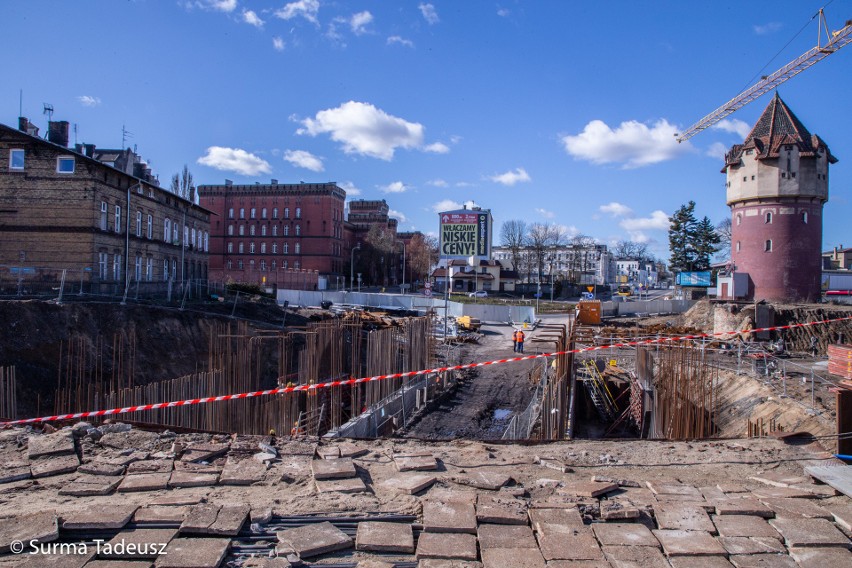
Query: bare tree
{"x": 630, "y": 249}
{"x": 541, "y": 238}
{"x": 182, "y": 185}
{"x": 380, "y": 243}
{"x": 422, "y": 255}
{"x": 513, "y": 235}
{"x": 723, "y": 229}
{"x": 581, "y": 256}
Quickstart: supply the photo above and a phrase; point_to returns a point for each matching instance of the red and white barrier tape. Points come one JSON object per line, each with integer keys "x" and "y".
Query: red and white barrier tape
{"x": 354, "y": 381}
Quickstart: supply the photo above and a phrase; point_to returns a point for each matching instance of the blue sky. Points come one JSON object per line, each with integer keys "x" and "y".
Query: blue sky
{"x": 549, "y": 111}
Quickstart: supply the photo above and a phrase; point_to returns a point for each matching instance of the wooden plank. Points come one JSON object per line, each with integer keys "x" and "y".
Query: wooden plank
{"x": 838, "y": 476}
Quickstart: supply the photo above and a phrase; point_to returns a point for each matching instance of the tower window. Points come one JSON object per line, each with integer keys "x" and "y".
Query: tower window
{"x": 768, "y": 218}
{"x": 805, "y": 217}
{"x": 738, "y": 246}
{"x": 745, "y": 178}
{"x": 767, "y": 246}
{"x": 739, "y": 219}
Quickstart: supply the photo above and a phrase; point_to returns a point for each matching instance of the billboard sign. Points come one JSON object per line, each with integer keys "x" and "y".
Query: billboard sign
{"x": 465, "y": 234}
{"x": 697, "y": 279}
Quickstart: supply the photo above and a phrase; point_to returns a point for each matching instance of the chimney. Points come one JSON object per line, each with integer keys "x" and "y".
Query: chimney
{"x": 57, "y": 132}
{"x": 24, "y": 125}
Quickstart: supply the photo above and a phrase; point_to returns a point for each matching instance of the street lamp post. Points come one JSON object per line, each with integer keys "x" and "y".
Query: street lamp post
{"x": 352, "y": 266}
{"x": 402, "y": 288}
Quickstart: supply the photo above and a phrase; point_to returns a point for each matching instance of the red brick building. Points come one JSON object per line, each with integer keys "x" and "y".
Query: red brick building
{"x": 289, "y": 235}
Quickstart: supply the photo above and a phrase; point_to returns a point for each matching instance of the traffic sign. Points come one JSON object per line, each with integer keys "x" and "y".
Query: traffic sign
{"x": 590, "y": 288}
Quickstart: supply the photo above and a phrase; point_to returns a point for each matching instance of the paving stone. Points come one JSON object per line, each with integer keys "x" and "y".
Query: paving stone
{"x": 446, "y": 546}
{"x": 58, "y": 443}
{"x": 199, "y": 518}
{"x": 137, "y": 543}
{"x": 351, "y": 485}
{"x": 614, "y": 510}
{"x": 700, "y": 562}
{"x": 328, "y": 452}
{"x": 150, "y": 466}
{"x": 752, "y": 545}
{"x": 639, "y": 496}
{"x": 589, "y": 488}
{"x": 713, "y": 493}
{"x": 514, "y": 557}
{"x": 689, "y": 543}
{"x": 350, "y": 450}
{"x": 91, "y": 485}
{"x": 544, "y": 520}
{"x": 763, "y": 561}
{"x": 449, "y": 517}
{"x": 15, "y": 472}
{"x": 505, "y": 536}
{"x": 229, "y": 520}
{"x": 71, "y": 559}
{"x": 744, "y": 506}
{"x": 569, "y": 544}
{"x": 798, "y": 508}
{"x": 101, "y": 468}
{"x": 819, "y": 491}
{"x": 193, "y": 467}
{"x": 384, "y": 537}
{"x": 452, "y": 496}
{"x": 673, "y": 488}
{"x": 178, "y": 499}
{"x": 635, "y": 557}
{"x": 204, "y": 452}
{"x": 580, "y": 564}
{"x": 160, "y": 514}
{"x": 771, "y": 492}
{"x": 415, "y": 462}
{"x": 409, "y": 483}
{"x": 194, "y": 553}
{"x": 744, "y": 525}
{"x": 491, "y": 481}
{"x": 333, "y": 468}
{"x": 260, "y": 515}
{"x": 779, "y": 479}
{"x": 446, "y": 563}
{"x": 685, "y": 518}
{"x": 144, "y": 482}
{"x": 190, "y": 479}
{"x": 371, "y": 563}
{"x": 113, "y": 517}
{"x": 501, "y": 511}
{"x": 809, "y": 532}
{"x": 244, "y": 471}
{"x": 842, "y": 514}
{"x": 684, "y": 500}
{"x": 729, "y": 488}
{"x": 821, "y": 557}
{"x": 624, "y": 534}
{"x": 46, "y": 466}
{"x": 315, "y": 539}
{"x": 42, "y": 526}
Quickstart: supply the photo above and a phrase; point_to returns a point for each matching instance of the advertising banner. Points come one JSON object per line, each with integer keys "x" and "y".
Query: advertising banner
{"x": 465, "y": 234}
{"x": 698, "y": 279}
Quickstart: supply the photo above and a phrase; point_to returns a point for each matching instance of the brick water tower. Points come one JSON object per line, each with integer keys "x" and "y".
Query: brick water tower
{"x": 777, "y": 184}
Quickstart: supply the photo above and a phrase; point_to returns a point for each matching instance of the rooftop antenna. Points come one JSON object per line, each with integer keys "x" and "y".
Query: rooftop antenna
{"x": 21, "y": 102}
{"x": 125, "y": 134}
{"x": 75, "y": 133}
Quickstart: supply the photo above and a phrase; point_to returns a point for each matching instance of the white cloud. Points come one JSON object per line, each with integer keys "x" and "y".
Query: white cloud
{"x": 717, "y": 150}
{"x": 306, "y": 9}
{"x": 89, "y": 101}
{"x": 469, "y": 204}
{"x": 359, "y": 21}
{"x": 364, "y": 129}
{"x": 400, "y": 40}
{"x": 446, "y": 205}
{"x": 217, "y": 5}
{"x": 437, "y": 183}
{"x": 503, "y": 12}
{"x": 394, "y": 187}
{"x": 735, "y": 126}
{"x": 350, "y": 189}
{"x": 234, "y": 160}
{"x": 464, "y": 184}
{"x": 769, "y": 28}
{"x": 397, "y": 215}
{"x": 512, "y": 177}
{"x": 545, "y": 213}
{"x": 303, "y": 159}
{"x": 616, "y": 209}
{"x": 569, "y": 230}
{"x": 278, "y": 43}
{"x": 631, "y": 143}
{"x": 437, "y": 148}
{"x": 429, "y": 13}
{"x": 250, "y": 17}
{"x": 636, "y": 227}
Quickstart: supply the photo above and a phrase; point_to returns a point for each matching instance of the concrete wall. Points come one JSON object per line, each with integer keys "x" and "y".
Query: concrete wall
{"x": 611, "y": 309}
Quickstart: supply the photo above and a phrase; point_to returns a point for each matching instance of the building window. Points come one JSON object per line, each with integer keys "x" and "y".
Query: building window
{"x": 262, "y": 248}
{"x": 116, "y": 267}
{"x": 230, "y": 265}
{"x": 165, "y": 270}
{"x": 242, "y": 230}
{"x": 767, "y": 246}
{"x": 298, "y": 248}
{"x": 285, "y": 248}
{"x": 174, "y": 237}
{"x": 242, "y": 213}
{"x": 240, "y": 248}
{"x": 298, "y": 212}
{"x": 118, "y": 218}
{"x": 298, "y": 230}
{"x": 206, "y": 241}
{"x": 263, "y": 213}
{"x": 768, "y": 218}
{"x": 174, "y": 266}
{"x": 274, "y": 212}
{"x": 231, "y": 213}
{"x": 230, "y": 248}
{"x": 240, "y": 264}
{"x": 149, "y": 269}
{"x": 138, "y": 223}
{"x": 167, "y": 229}
{"x": 253, "y": 213}
{"x": 150, "y": 227}
{"x": 230, "y": 230}
{"x": 805, "y": 217}
{"x": 102, "y": 265}
{"x": 138, "y": 268}
{"x": 251, "y": 264}
{"x": 286, "y": 230}
{"x": 104, "y": 224}
{"x": 185, "y": 236}
{"x": 745, "y": 178}
{"x": 738, "y": 246}
{"x": 274, "y": 230}
{"x": 286, "y": 212}
{"x": 16, "y": 159}
{"x": 274, "y": 248}
{"x": 194, "y": 241}
{"x": 263, "y": 266}
{"x": 65, "y": 165}
{"x": 296, "y": 265}
{"x": 251, "y": 248}
{"x": 284, "y": 265}
{"x": 273, "y": 265}
{"x": 263, "y": 231}
{"x": 251, "y": 230}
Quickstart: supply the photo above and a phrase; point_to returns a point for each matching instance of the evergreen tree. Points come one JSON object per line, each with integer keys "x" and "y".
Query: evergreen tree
{"x": 706, "y": 243}
{"x": 682, "y": 230}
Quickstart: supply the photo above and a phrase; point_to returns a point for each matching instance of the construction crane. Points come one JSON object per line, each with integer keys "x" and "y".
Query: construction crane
{"x": 834, "y": 41}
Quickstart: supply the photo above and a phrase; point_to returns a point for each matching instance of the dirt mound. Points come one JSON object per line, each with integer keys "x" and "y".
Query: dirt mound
{"x": 699, "y": 316}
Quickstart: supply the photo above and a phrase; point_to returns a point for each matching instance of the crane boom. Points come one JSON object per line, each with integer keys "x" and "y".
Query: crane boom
{"x": 837, "y": 39}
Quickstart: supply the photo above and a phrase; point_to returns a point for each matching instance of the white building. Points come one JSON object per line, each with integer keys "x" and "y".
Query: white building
{"x": 580, "y": 264}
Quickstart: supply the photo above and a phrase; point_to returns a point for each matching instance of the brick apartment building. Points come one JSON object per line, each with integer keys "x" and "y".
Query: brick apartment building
{"x": 289, "y": 235}
{"x": 98, "y": 214}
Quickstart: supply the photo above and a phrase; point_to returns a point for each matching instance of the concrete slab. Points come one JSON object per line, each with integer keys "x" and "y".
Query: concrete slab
{"x": 193, "y": 467}
{"x": 409, "y": 484}
{"x": 763, "y": 561}
{"x": 821, "y": 557}
{"x": 446, "y": 546}
{"x": 206, "y": 452}
{"x": 112, "y": 517}
{"x": 160, "y": 514}
{"x": 385, "y": 537}
{"x": 350, "y": 485}
{"x": 179, "y": 499}
{"x": 779, "y": 478}
{"x": 333, "y": 468}
{"x": 190, "y": 479}
{"x": 452, "y": 517}
{"x": 446, "y": 563}
{"x": 46, "y": 466}
{"x": 581, "y": 564}
{"x": 101, "y": 468}
{"x": 43, "y": 527}
{"x": 199, "y": 518}
{"x": 137, "y": 544}
{"x": 415, "y": 462}
{"x": 673, "y": 488}
{"x": 689, "y": 543}
{"x": 713, "y": 493}
{"x": 589, "y": 488}
{"x": 544, "y": 520}
{"x": 514, "y": 557}
{"x": 328, "y": 452}
{"x": 229, "y": 520}
{"x": 570, "y": 544}
{"x": 842, "y": 513}
{"x": 624, "y": 534}
{"x": 315, "y": 539}
{"x": 245, "y": 471}
{"x": 752, "y": 545}
{"x": 350, "y": 450}
{"x": 119, "y": 564}
{"x": 501, "y": 511}
{"x": 730, "y": 487}
{"x": 194, "y": 553}
{"x": 635, "y": 557}
{"x": 144, "y": 482}
{"x": 90, "y": 485}
{"x": 260, "y": 515}
{"x": 770, "y": 492}
{"x": 613, "y": 510}
{"x": 744, "y": 525}
{"x": 837, "y": 476}
{"x": 806, "y": 508}
{"x": 58, "y": 443}
{"x": 700, "y": 562}
{"x": 684, "y": 518}
{"x": 452, "y": 496}
{"x": 809, "y": 532}
{"x": 744, "y": 506}
{"x": 15, "y": 472}
{"x": 70, "y": 559}
{"x": 488, "y": 480}
{"x": 505, "y": 536}
{"x": 150, "y": 466}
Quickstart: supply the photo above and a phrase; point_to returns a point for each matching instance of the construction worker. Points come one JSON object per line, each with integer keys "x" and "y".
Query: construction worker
{"x": 519, "y": 340}
{"x": 296, "y": 430}
{"x": 515, "y": 341}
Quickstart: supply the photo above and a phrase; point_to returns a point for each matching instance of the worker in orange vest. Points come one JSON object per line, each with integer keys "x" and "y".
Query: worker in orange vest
{"x": 515, "y": 340}
{"x": 519, "y": 340}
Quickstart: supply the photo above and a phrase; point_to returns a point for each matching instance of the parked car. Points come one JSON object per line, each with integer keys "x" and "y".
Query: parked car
{"x": 479, "y": 294}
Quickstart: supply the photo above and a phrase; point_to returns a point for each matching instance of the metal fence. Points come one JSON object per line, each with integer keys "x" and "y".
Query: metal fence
{"x": 521, "y": 425}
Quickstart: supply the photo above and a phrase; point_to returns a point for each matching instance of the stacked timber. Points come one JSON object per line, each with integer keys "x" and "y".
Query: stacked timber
{"x": 840, "y": 360}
